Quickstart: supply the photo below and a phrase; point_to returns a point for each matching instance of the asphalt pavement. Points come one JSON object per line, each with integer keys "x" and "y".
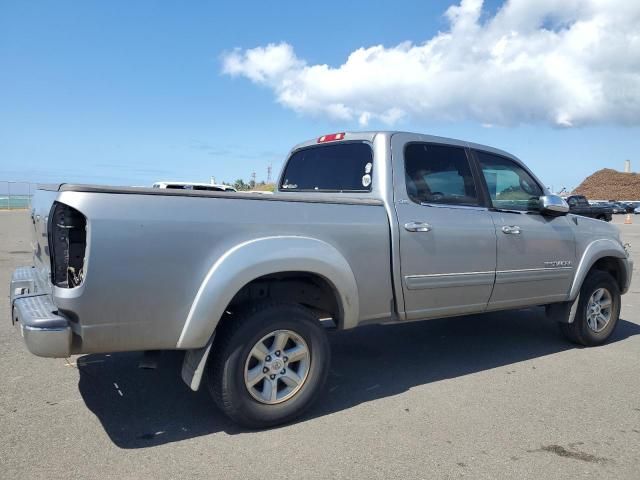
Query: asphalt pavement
{"x": 500, "y": 395}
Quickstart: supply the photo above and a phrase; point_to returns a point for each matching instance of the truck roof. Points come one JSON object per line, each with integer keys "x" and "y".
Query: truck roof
{"x": 370, "y": 135}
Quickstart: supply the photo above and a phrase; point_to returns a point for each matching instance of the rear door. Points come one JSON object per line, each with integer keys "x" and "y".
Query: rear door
{"x": 536, "y": 253}
{"x": 447, "y": 236}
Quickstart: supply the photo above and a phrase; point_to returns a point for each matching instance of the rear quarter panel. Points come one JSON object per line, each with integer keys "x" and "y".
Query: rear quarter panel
{"x": 149, "y": 254}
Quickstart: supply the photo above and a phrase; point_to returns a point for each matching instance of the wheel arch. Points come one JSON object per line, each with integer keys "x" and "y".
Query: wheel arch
{"x": 269, "y": 258}
{"x": 306, "y": 288}
{"x": 606, "y": 255}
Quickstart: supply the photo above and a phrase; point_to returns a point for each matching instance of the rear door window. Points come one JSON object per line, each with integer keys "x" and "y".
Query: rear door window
{"x": 439, "y": 174}
{"x": 341, "y": 167}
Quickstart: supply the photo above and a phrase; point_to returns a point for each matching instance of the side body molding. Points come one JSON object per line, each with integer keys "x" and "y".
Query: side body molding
{"x": 595, "y": 251}
{"x": 253, "y": 259}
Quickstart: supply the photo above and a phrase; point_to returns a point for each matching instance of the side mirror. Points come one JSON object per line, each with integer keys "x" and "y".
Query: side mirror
{"x": 553, "y": 205}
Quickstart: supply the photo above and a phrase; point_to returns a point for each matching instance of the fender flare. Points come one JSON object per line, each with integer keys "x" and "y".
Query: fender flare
{"x": 595, "y": 251}
{"x": 255, "y": 258}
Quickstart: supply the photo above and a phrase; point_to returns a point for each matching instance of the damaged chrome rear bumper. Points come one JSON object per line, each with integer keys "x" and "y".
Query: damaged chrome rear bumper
{"x": 46, "y": 332}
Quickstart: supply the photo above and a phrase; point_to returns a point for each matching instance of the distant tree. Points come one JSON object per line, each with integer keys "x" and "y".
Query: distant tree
{"x": 240, "y": 185}
{"x": 265, "y": 187}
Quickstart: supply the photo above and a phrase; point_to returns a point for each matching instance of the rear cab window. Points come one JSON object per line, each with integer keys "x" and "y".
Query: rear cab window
{"x": 339, "y": 167}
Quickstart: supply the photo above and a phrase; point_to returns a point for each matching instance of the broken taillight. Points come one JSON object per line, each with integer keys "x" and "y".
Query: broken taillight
{"x": 67, "y": 244}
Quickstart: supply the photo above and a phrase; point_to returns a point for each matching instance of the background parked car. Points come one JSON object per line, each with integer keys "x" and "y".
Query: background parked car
{"x": 631, "y": 206}
{"x": 618, "y": 207}
{"x": 210, "y": 187}
{"x": 579, "y": 205}
{"x": 621, "y": 206}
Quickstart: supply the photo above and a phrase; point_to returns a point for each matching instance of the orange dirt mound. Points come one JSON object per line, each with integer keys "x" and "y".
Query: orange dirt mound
{"x": 608, "y": 184}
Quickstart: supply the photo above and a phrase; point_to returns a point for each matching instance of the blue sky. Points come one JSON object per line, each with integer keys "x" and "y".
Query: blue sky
{"x": 133, "y": 92}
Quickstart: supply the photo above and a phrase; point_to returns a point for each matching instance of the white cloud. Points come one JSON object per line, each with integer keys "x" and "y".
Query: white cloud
{"x": 568, "y": 63}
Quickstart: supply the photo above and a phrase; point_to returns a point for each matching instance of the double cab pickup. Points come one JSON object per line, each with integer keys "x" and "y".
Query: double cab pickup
{"x": 363, "y": 228}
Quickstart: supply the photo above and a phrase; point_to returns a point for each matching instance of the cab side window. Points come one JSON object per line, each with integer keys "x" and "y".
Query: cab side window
{"x": 510, "y": 186}
{"x": 439, "y": 174}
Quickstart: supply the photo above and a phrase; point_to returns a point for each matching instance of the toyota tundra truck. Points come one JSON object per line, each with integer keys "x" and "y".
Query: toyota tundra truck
{"x": 364, "y": 228}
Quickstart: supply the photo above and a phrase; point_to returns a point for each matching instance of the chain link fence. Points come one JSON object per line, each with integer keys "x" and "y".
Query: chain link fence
{"x": 16, "y": 195}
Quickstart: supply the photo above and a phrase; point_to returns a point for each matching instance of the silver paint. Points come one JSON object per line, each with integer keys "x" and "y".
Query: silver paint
{"x": 161, "y": 266}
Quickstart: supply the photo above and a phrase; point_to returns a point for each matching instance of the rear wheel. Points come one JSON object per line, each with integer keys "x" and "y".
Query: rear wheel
{"x": 597, "y": 313}
{"x": 268, "y": 364}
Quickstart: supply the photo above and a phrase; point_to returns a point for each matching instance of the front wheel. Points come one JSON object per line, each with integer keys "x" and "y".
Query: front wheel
{"x": 269, "y": 363}
{"x": 597, "y": 313}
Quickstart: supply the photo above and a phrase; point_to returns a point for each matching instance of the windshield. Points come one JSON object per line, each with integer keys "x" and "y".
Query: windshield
{"x": 341, "y": 167}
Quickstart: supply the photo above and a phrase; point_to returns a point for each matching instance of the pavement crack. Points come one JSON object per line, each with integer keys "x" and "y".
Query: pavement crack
{"x": 574, "y": 454}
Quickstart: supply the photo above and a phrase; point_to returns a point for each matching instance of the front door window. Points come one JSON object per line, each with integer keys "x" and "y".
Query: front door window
{"x": 510, "y": 186}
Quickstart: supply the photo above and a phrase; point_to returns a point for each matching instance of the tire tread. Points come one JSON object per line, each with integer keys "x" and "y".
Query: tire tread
{"x": 575, "y": 331}
{"x": 226, "y": 338}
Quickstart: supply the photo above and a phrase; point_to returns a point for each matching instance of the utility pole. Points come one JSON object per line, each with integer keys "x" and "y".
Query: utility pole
{"x": 269, "y": 173}
{"x": 253, "y": 179}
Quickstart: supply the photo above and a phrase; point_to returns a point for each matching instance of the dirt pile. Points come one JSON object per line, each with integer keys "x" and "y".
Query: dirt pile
{"x": 608, "y": 184}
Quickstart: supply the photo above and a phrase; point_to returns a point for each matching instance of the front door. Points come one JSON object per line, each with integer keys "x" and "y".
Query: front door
{"x": 447, "y": 236}
{"x": 536, "y": 253}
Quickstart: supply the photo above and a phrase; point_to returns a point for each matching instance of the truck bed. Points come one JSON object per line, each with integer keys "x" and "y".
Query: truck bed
{"x": 149, "y": 250}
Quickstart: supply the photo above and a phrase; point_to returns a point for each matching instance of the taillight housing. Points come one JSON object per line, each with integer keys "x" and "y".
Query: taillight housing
{"x": 332, "y": 137}
{"x": 67, "y": 231}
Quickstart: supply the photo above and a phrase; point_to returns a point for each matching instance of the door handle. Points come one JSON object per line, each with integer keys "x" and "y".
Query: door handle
{"x": 511, "y": 229}
{"x": 417, "y": 227}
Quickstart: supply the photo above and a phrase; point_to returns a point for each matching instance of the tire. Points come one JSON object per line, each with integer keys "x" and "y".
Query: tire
{"x": 601, "y": 217}
{"x": 234, "y": 358}
{"x": 580, "y": 331}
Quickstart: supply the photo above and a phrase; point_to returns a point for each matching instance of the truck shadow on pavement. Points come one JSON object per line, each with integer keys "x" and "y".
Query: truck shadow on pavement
{"x": 141, "y": 408}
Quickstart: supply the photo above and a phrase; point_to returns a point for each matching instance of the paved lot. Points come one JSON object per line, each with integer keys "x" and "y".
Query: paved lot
{"x": 495, "y": 396}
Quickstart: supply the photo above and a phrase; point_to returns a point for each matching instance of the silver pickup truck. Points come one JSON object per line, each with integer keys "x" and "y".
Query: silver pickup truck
{"x": 363, "y": 228}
